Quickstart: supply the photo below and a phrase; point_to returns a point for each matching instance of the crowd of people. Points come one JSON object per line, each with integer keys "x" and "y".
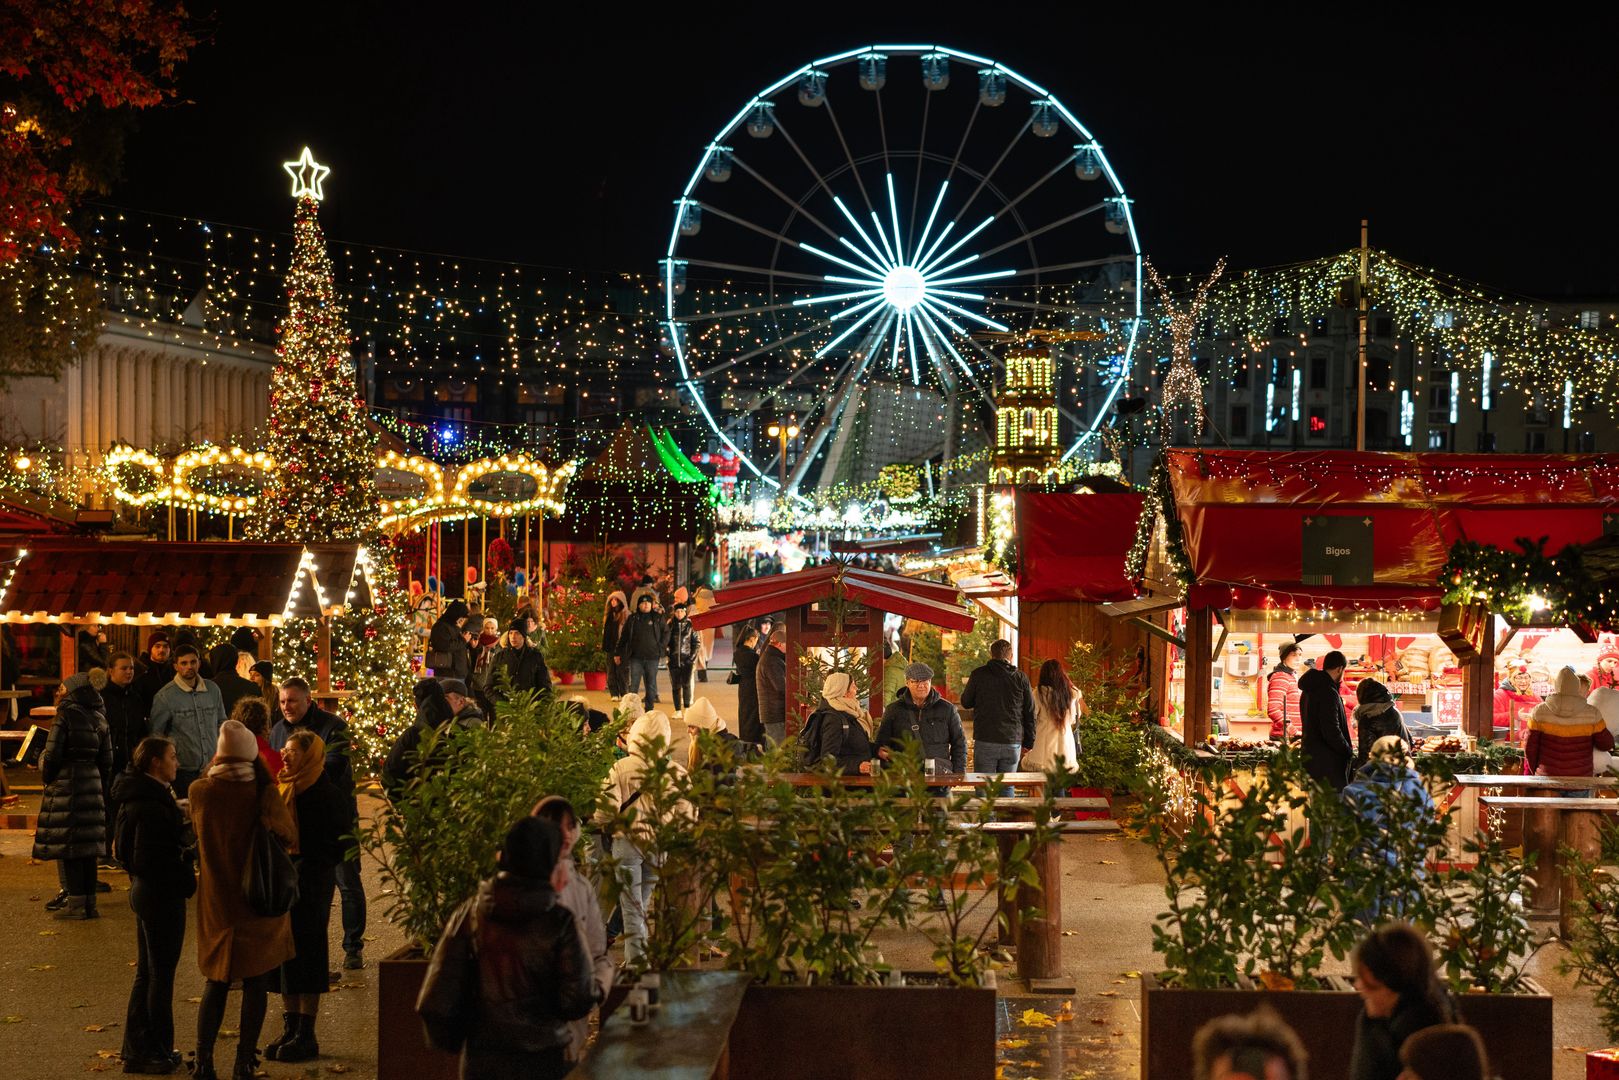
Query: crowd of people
{"x": 172, "y": 768}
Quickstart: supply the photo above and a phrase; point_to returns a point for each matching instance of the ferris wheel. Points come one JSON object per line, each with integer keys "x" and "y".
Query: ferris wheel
{"x": 891, "y": 216}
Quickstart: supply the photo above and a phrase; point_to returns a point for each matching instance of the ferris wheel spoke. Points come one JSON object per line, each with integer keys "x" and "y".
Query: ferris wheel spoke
{"x": 932, "y": 299}
{"x": 966, "y": 133}
{"x": 762, "y": 271}
{"x": 792, "y": 142}
{"x": 899, "y": 331}
{"x": 858, "y": 323}
{"x": 984, "y": 180}
{"x": 746, "y": 224}
{"x": 956, "y": 295}
{"x": 877, "y": 226}
{"x": 742, "y": 358}
{"x": 843, "y": 142}
{"x": 1032, "y": 188}
{"x": 810, "y": 301}
{"x": 893, "y": 213}
{"x": 876, "y": 255}
{"x": 1033, "y": 305}
{"x": 829, "y": 257}
{"x": 950, "y": 347}
{"x": 1082, "y": 264}
{"x": 951, "y": 250}
{"x": 921, "y": 149}
{"x": 783, "y": 196}
{"x": 963, "y": 278}
{"x": 1042, "y": 230}
{"x": 829, "y": 420}
{"x": 938, "y": 199}
{"x": 910, "y": 349}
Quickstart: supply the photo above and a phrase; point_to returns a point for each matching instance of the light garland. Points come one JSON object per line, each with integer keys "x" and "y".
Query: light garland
{"x": 1182, "y": 386}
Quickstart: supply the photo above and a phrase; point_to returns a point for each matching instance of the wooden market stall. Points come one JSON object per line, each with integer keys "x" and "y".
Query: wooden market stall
{"x": 1330, "y": 542}
{"x": 837, "y": 603}
{"x": 147, "y": 584}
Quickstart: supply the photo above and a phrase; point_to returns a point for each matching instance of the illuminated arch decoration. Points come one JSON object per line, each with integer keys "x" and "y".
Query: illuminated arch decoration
{"x": 439, "y": 498}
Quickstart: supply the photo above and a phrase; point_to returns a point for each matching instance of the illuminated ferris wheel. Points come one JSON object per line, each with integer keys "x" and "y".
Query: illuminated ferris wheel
{"x": 892, "y": 215}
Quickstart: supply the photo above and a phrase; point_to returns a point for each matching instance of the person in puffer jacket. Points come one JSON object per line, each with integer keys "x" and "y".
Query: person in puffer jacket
{"x": 1376, "y": 716}
{"x": 511, "y": 970}
{"x": 1563, "y": 730}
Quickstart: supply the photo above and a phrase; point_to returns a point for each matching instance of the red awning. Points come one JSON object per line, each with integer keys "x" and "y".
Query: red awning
{"x": 1243, "y": 511}
{"x": 939, "y": 605}
{"x": 1074, "y": 546}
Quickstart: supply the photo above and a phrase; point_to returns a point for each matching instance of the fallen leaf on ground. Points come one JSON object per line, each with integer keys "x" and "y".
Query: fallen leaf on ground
{"x": 1070, "y": 933}
{"x": 1107, "y": 993}
{"x": 10, "y": 1019}
{"x": 41, "y": 967}
{"x": 107, "y": 1055}
{"x": 1030, "y": 1064}
{"x": 338, "y": 1068}
{"x": 1098, "y": 1019}
{"x": 229, "y": 1033}
{"x": 1131, "y": 974}
{"x": 1003, "y": 1044}
{"x": 99, "y": 1027}
{"x": 49, "y": 933}
{"x": 195, "y": 1001}
{"x": 79, "y": 1005}
{"x": 1066, "y": 1012}
{"x": 1036, "y": 1019}
{"x": 1106, "y": 862}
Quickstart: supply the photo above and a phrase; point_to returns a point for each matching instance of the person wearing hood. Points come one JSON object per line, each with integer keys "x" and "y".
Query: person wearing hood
{"x": 842, "y": 727}
{"x": 230, "y": 666}
{"x": 745, "y": 671}
{"x": 770, "y": 682}
{"x": 189, "y": 710}
{"x": 150, "y": 845}
{"x": 647, "y": 741}
{"x": 613, "y": 620}
{"x": 406, "y": 761}
{"x": 1376, "y": 716}
{"x": 522, "y": 663}
{"x": 1328, "y": 753}
{"x": 76, "y": 769}
{"x": 920, "y": 712}
{"x": 1387, "y": 775}
{"x": 321, "y": 815}
{"x": 1563, "y": 730}
{"x": 92, "y": 646}
{"x": 703, "y": 716}
{"x": 1282, "y": 693}
{"x": 448, "y": 652}
{"x": 235, "y": 943}
{"x": 511, "y": 972}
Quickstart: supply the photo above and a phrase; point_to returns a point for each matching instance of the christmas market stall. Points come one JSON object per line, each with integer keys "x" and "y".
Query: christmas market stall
{"x": 834, "y": 614}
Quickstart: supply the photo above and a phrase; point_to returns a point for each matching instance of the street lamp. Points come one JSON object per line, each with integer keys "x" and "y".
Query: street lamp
{"x": 781, "y": 433}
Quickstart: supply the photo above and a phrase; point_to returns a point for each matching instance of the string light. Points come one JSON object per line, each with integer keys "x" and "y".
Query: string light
{"x": 1182, "y": 386}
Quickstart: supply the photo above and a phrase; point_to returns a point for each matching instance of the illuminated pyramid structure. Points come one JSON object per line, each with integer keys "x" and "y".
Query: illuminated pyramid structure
{"x": 1027, "y": 448}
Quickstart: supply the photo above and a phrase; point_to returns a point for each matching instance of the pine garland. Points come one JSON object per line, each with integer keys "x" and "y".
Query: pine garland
{"x": 1159, "y": 504}
{"x": 1528, "y": 583}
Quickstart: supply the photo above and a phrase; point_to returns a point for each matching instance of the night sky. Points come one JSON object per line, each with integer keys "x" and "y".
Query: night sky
{"x": 1483, "y": 150}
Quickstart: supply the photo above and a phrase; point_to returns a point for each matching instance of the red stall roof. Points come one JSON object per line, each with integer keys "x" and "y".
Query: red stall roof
{"x": 1243, "y": 514}
{"x": 1074, "y": 546}
{"x": 939, "y": 605}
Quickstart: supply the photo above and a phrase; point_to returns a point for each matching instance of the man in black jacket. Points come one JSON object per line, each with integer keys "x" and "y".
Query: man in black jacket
{"x": 919, "y": 711}
{"x": 1003, "y": 712}
{"x": 299, "y": 710}
{"x": 230, "y": 666}
{"x": 127, "y": 723}
{"x": 682, "y": 655}
{"x": 1328, "y": 753}
{"x": 523, "y": 664}
{"x": 157, "y": 669}
{"x": 640, "y": 647}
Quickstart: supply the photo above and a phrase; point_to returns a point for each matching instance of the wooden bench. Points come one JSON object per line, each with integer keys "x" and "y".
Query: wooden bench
{"x": 688, "y": 1038}
{"x": 1551, "y": 822}
{"x": 1023, "y": 781}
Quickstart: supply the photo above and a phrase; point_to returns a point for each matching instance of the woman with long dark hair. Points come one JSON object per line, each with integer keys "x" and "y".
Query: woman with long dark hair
{"x": 745, "y": 657}
{"x": 234, "y": 943}
{"x": 321, "y": 814}
{"x": 150, "y": 844}
{"x": 1400, "y": 995}
{"x": 617, "y": 614}
{"x": 1058, "y": 705}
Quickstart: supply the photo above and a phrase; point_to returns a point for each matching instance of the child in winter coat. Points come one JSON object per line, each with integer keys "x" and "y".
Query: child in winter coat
{"x": 1563, "y": 730}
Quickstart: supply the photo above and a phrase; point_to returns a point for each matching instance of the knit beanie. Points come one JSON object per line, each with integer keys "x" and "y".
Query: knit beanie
{"x": 95, "y": 678}
{"x": 235, "y": 741}
{"x": 264, "y": 669}
{"x": 629, "y": 706}
{"x": 702, "y": 715}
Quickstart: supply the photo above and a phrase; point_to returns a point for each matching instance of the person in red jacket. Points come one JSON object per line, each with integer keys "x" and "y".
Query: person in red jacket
{"x": 1563, "y": 730}
{"x": 1605, "y": 673}
{"x": 1514, "y": 701}
{"x": 1282, "y": 692}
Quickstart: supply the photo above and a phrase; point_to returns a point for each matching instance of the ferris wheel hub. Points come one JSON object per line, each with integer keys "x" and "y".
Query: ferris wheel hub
{"x": 904, "y": 287}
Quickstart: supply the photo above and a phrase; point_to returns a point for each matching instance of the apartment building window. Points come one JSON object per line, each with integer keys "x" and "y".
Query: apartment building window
{"x": 1590, "y": 320}
{"x": 1320, "y": 372}
{"x": 1239, "y": 421}
{"x": 1438, "y": 439}
{"x": 1534, "y": 442}
{"x": 1439, "y": 401}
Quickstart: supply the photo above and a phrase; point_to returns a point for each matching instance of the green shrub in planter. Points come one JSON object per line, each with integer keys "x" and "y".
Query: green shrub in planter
{"x": 440, "y": 837}
{"x": 1593, "y": 950}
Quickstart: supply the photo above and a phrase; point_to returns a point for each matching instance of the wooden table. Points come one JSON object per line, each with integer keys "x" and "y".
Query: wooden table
{"x": 687, "y": 1039}
{"x": 1550, "y": 823}
{"x": 1546, "y": 783}
{"x": 1026, "y": 781}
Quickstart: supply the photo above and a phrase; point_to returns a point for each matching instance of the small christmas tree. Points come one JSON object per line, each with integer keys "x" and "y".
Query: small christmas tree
{"x": 324, "y": 488}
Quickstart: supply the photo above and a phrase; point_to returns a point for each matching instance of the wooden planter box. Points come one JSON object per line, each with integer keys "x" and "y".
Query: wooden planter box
{"x": 896, "y": 1032}
{"x": 1516, "y": 1028}
{"x": 402, "y": 1050}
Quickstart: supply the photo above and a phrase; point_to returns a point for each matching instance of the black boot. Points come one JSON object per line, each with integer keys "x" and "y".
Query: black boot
{"x": 57, "y": 902}
{"x": 247, "y": 1063}
{"x": 77, "y": 908}
{"x": 303, "y": 1046}
{"x": 203, "y": 1069}
{"x": 289, "y": 1029}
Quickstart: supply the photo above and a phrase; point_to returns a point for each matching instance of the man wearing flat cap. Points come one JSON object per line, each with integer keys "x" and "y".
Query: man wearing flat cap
{"x": 920, "y": 712}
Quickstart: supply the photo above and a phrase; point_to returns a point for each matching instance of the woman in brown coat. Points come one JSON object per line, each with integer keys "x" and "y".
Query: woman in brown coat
{"x": 233, "y": 943}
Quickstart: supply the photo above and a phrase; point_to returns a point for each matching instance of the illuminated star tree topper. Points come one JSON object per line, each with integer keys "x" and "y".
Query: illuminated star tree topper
{"x": 307, "y": 175}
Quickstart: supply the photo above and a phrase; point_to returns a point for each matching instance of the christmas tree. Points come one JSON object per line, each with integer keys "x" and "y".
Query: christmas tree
{"x": 324, "y": 490}
{"x": 325, "y": 486}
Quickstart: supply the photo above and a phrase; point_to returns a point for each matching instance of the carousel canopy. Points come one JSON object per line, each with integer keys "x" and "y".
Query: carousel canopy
{"x": 927, "y": 601}
{"x": 1245, "y": 516}
{"x": 83, "y": 580}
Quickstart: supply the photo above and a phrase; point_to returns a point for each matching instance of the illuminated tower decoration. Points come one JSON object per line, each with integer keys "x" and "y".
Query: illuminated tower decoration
{"x": 1027, "y": 450}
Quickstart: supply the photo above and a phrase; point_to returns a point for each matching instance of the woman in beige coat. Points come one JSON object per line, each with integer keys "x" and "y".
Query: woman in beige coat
{"x": 234, "y": 943}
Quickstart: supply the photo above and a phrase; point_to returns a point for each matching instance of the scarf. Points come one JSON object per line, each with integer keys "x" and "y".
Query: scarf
{"x": 294, "y": 783}
{"x": 230, "y": 768}
{"x": 839, "y": 692}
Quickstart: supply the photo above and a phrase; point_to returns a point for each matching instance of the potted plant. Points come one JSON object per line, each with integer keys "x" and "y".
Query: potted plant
{"x": 1267, "y": 887}
{"x": 790, "y": 885}
{"x": 574, "y": 613}
{"x": 439, "y": 838}
{"x": 1593, "y": 948}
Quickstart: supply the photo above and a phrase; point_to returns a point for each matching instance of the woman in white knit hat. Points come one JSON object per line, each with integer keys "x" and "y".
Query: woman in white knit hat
{"x": 647, "y": 742}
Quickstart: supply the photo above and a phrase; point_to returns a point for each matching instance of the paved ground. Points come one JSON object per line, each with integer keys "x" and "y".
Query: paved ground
{"x": 63, "y": 986}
